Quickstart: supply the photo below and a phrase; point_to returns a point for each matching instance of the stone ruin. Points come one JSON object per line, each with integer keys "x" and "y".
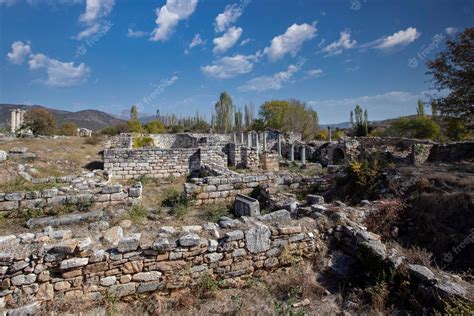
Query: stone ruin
{"x": 17, "y": 119}
{"x": 60, "y": 265}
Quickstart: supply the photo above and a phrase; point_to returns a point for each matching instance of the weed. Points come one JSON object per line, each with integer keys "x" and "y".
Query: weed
{"x": 20, "y": 184}
{"x": 110, "y": 301}
{"x": 207, "y": 287}
{"x": 143, "y": 141}
{"x": 137, "y": 214}
{"x": 213, "y": 212}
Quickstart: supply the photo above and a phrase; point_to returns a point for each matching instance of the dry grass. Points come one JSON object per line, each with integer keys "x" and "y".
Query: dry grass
{"x": 54, "y": 157}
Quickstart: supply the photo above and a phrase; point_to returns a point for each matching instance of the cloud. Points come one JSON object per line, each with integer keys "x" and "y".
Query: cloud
{"x": 228, "y": 17}
{"x": 228, "y": 67}
{"x": 135, "y": 34}
{"x": 245, "y": 41}
{"x": 7, "y": 3}
{"x": 169, "y": 15}
{"x": 291, "y": 41}
{"x": 395, "y": 41}
{"x": 19, "y": 52}
{"x": 265, "y": 83}
{"x": 60, "y": 74}
{"x": 314, "y": 73}
{"x": 451, "y": 30}
{"x": 197, "y": 41}
{"x": 96, "y": 10}
{"x": 344, "y": 42}
{"x": 226, "y": 41}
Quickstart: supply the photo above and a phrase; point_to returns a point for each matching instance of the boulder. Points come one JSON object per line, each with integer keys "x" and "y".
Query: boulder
{"x": 129, "y": 243}
{"x": 189, "y": 240}
{"x": 113, "y": 235}
{"x": 314, "y": 199}
{"x": 3, "y": 155}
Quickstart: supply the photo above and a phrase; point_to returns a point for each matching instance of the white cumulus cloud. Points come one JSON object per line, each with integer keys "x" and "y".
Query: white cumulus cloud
{"x": 60, "y": 74}
{"x": 265, "y": 83}
{"x": 291, "y": 41}
{"x": 395, "y": 41}
{"x": 344, "y": 42}
{"x": 226, "y": 41}
{"x": 96, "y": 10}
{"x": 19, "y": 52}
{"x": 169, "y": 15}
{"x": 228, "y": 67}
{"x": 228, "y": 17}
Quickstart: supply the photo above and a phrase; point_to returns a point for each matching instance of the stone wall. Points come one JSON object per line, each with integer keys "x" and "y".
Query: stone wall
{"x": 270, "y": 161}
{"x": 101, "y": 196}
{"x": 250, "y": 159}
{"x": 78, "y": 270}
{"x": 161, "y": 163}
{"x": 225, "y": 187}
{"x": 452, "y": 152}
{"x": 120, "y": 141}
{"x": 189, "y": 140}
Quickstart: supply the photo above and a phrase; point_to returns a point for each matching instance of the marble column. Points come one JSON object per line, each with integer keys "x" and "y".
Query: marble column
{"x": 256, "y": 143}
{"x": 235, "y": 138}
{"x": 264, "y": 141}
{"x": 13, "y": 121}
{"x": 249, "y": 140}
{"x": 303, "y": 155}
{"x": 241, "y": 137}
{"x": 279, "y": 145}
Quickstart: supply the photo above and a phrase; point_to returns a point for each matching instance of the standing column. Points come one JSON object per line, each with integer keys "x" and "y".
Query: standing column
{"x": 303, "y": 155}
{"x": 330, "y": 133}
{"x": 279, "y": 145}
{"x": 242, "y": 137}
{"x": 12, "y": 121}
{"x": 292, "y": 152}
{"x": 249, "y": 140}
{"x": 256, "y": 144}
{"x": 18, "y": 120}
{"x": 264, "y": 141}
{"x": 235, "y": 138}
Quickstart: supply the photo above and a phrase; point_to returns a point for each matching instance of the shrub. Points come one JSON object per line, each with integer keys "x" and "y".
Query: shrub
{"x": 420, "y": 127}
{"x": 68, "y": 129}
{"x": 213, "y": 212}
{"x": 40, "y": 121}
{"x": 456, "y": 129}
{"x": 94, "y": 140}
{"x": 155, "y": 127}
{"x": 143, "y": 141}
{"x": 173, "y": 197}
{"x": 116, "y": 129}
{"x": 137, "y": 213}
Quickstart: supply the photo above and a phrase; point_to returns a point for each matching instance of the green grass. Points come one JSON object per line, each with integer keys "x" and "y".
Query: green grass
{"x": 213, "y": 212}
{"x": 137, "y": 214}
{"x": 20, "y": 184}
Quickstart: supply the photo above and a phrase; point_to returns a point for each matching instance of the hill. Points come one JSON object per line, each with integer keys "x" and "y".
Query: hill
{"x": 91, "y": 119}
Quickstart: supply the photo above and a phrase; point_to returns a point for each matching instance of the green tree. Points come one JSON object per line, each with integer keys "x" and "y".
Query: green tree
{"x": 134, "y": 113}
{"x": 135, "y": 126}
{"x": 40, "y": 121}
{"x": 238, "y": 117}
{"x": 434, "y": 108}
{"x": 249, "y": 115}
{"x": 361, "y": 121}
{"x": 456, "y": 129}
{"x": 155, "y": 127}
{"x": 224, "y": 109}
{"x": 453, "y": 71}
{"x": 420, "y": 109}
{"x": 68, "y": 129}
{"x": 420, "y": 127}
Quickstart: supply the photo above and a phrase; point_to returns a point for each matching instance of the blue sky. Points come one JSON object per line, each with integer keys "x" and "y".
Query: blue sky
{"x": 178, "y": 55}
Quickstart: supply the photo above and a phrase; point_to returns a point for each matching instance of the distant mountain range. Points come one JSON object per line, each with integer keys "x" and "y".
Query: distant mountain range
{"x": 91, "y": 119}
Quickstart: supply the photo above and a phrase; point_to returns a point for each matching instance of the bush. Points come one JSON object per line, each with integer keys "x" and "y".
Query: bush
{"x": 173, "y": 197}
{"x": 143, "y": 141}
{"x": 116, "y": 129}
{"x": 94, "y": 140}
{"x": 137, "y": 213}
{"x": 456, "y": 129}
{"x": 68, "y": 129}
{"x": 420, "y": 127}
{"x": 155, "y": 127}
{"x": 135, "y": 126}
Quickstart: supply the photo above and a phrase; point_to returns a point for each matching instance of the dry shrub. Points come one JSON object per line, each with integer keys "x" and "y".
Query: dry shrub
{"x": 417, "y": 255}
{"x": 183, "y": 299}
{"x": 388, "y": 214}
{"x": 301, "y": 278}
{"x": 378, "y": 295}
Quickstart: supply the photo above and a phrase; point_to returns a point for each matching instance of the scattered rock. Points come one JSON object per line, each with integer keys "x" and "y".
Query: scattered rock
{"x": 113, "y": 235}
{"x": 189, "y": 239}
